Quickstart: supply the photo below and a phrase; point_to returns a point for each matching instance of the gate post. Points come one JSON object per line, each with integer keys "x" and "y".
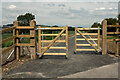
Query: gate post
{"x": 117, "y": 42}
{"x": 16, "y": 40}
{"x": 66, "y": 41}
{"x": 104, "y": 37}
{"x": 39, "y": 41}
{"x": 75, "y": 41}
{"x": 98, "y": 37}
{"x": 33, "y": 49}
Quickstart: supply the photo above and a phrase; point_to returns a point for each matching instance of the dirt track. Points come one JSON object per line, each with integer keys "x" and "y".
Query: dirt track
{"x": 56, "y": 66}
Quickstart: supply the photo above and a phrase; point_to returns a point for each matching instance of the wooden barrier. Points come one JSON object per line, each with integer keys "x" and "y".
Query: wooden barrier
{"x": 42, "y": 52}
{"x": 88, "y": 40}
{"x": 16, "y": 39}
{"x": 104, "y": 37}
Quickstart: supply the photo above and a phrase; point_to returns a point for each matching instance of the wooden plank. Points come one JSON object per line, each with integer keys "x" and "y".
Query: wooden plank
{"x": 51, "y": 41}
{"x": 66, "y": 41}
{"x": 7, "y": 49}
{"x": 88, "y": 39}
{"x": 54, "y": 54}
{"x": 27, "y": 36}
{"x": 33, "y": 40}
{"x": 7, "y": 39}
{"x": 88, "y": 34}
{"x": 113, "y": 32}
{"x": 14, "y": 40}
{"x": 104, "y": 37}
{"x": 7, "y": 29}
{"x": 51, "y": 28}
{"x": 24, "y": 44}
{"x": 117, "y": 43}
{"x": 17, "y": 48}
{"x": 88, "y": 28}
{"x": 52, "y": 34}
{"x": 86, "y": 50}
{"x": 39, "y": 41}
{"x": 25, "y": 27}
{"x": 113, "y": 40}
{"x": 75, "y": 39}
{"x": 85, "y": 44}
{"x": 55, "y": 47}
{"x": 113, "y": 25}
{"x": 98, "y": 42}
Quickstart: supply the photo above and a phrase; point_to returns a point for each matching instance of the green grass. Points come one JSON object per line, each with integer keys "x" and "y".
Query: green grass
{"x": 27, "y": 40}
{"x": 71, "y": 32}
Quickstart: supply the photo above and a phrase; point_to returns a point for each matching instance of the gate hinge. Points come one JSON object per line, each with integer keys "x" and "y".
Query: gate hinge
{"x": 99, "y": 50}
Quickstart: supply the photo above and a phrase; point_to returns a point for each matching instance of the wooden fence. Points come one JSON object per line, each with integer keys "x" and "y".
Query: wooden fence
{"x": 16, "y": 39}
{"x": 105, "y": 40}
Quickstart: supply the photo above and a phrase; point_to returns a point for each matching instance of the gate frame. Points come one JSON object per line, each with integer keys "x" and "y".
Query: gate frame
{"x": 82, "y": 34}
{"x": 40, "y": 52}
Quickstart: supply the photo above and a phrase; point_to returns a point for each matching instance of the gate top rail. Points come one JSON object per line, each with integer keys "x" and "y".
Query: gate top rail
{"x": 52, "y": 28}
{"x": 89, "y": 28}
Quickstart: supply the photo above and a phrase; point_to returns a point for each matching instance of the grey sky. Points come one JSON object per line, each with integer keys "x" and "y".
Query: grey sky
{"x": 61, "y": 13}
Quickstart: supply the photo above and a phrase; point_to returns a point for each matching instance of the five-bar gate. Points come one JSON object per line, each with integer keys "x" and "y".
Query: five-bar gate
{"x": 81, "y": 31}
{"x": 40, "y": 41}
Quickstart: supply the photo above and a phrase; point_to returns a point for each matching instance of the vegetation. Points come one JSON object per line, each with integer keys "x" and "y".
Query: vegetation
{"x": 24, "y": 20}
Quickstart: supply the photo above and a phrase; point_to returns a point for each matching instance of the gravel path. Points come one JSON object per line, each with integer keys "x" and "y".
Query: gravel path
{"x": 56, "y": 66}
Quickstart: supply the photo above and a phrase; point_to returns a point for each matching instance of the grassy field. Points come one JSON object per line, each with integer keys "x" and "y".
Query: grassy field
{"x": 27, "y": 40}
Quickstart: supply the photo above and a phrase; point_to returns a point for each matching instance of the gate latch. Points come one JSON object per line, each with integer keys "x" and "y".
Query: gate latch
{"x": 38, "y": 53}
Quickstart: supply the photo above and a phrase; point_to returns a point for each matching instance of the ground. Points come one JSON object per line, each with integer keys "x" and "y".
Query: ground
{"x": 58, "y": 66}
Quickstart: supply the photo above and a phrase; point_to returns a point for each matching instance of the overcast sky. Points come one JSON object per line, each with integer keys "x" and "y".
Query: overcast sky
{"x": 67, "y": 12}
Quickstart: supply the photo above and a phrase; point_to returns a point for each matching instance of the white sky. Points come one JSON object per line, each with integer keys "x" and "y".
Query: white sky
{"x": 80, "y": 13}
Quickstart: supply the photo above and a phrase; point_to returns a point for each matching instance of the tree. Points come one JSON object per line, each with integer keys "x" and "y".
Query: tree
{"x": 95, "y": 25}
{"x": 24, "y": 20}
{"x": 111, "y": 21}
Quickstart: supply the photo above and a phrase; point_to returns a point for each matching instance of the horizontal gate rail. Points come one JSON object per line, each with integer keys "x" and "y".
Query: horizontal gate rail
{"x": 52, "y": 34}
{"x": 49, "y": 28}
{"x": 85, "y": 44}
{"x": 88, "y": 28}
{"x": 88, "y": 34}
{"x": 88, "y": 39}
{"x": 86, "y": 50}
{"x": 51, "y": 41}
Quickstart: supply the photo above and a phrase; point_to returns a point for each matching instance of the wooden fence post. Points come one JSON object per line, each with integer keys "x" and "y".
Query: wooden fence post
{"x": 75, "y": 40}
{"x": 14, "y": 25}
{"x": 117, "y": 42}
{"x": 39, "y": 41}
{"x": 98, "y": 38}
{"x": 66, "y": 41}
{"x": 17, "y": 40}
{"x": 104, "y": 37}
{"x": 33, "y": 49}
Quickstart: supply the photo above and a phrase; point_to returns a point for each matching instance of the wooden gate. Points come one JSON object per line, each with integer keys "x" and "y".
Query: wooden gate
{"x": 81, "y": 31}
{"x": 40, "y": 41}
